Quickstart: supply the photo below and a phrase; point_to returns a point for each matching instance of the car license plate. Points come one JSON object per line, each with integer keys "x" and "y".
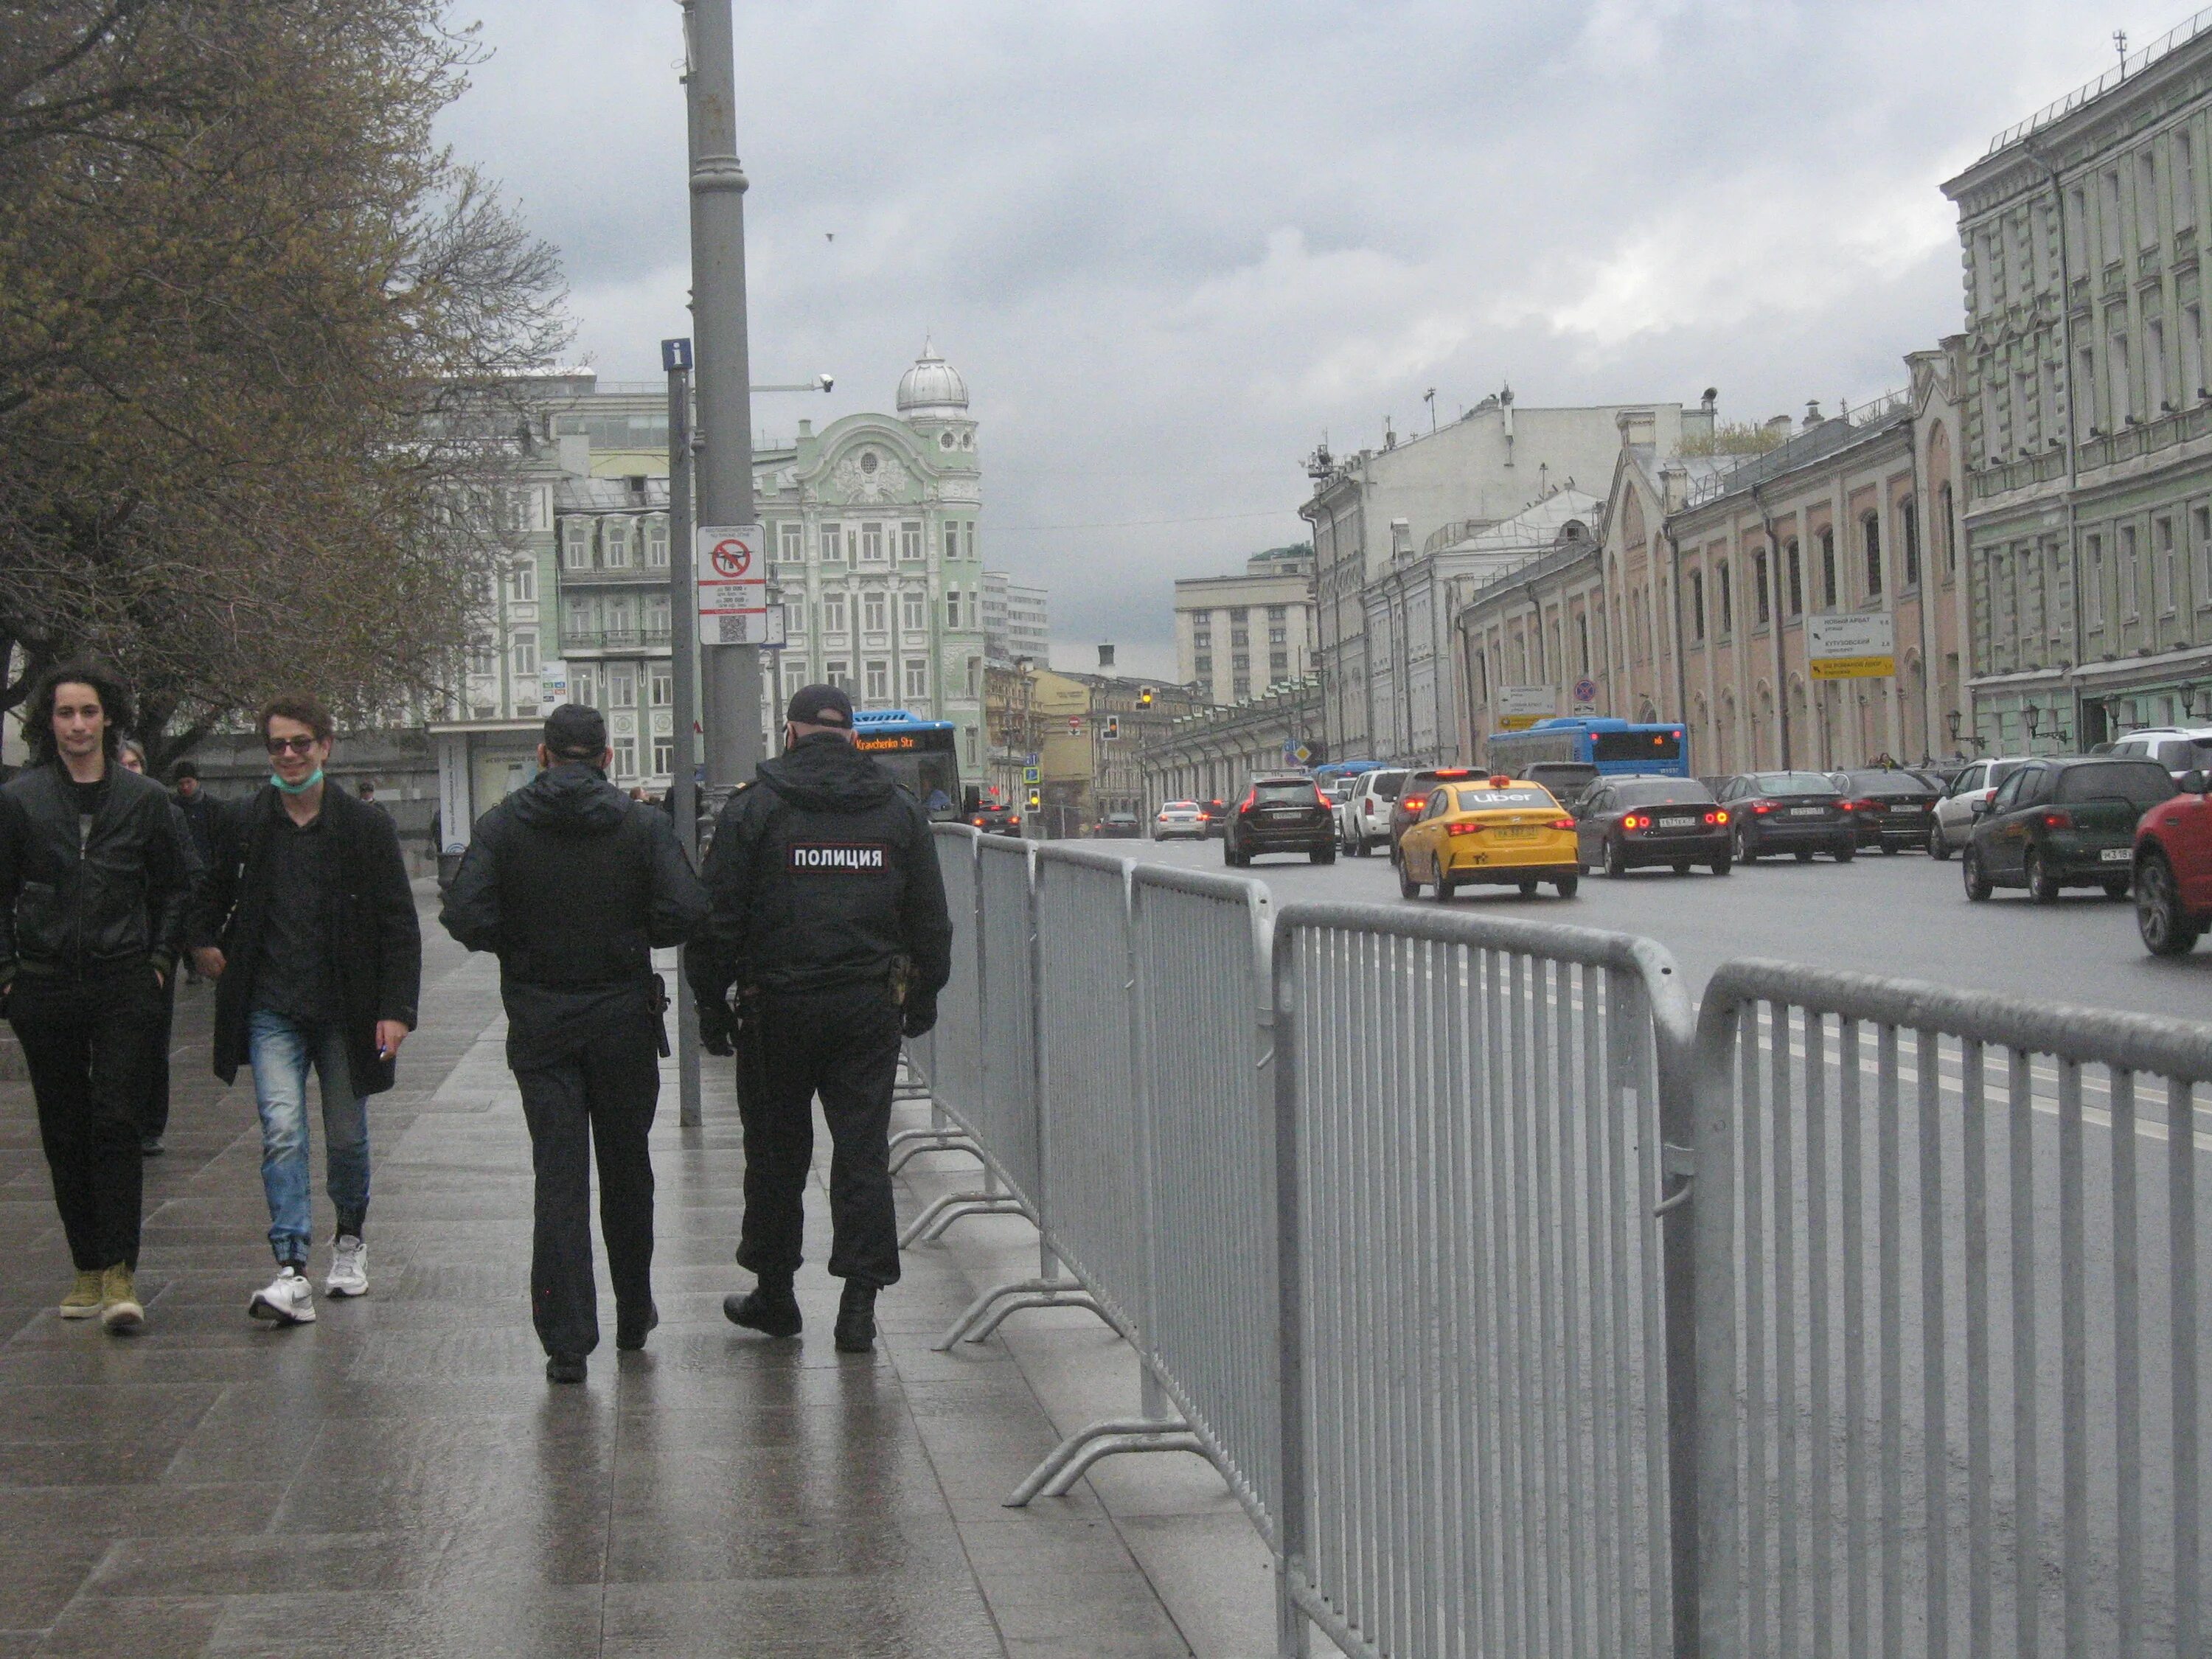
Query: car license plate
{"x": 2117, "y": 854}
{"x": 1808, "y": 811}
{"x": 1678, "y": 824}
{"x": 1512, "y": 833}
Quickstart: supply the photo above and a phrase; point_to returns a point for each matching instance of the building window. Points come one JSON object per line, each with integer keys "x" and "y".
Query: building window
{"x": 1828, "y": 569}
{"x": 968, "y": 540}
{"x": 2192, "y": 354}
{"x": 575, "y": 544}
{"x": 833, "y": 613}
{"x": 1277, "y": 613}
{"x": 525, "y": 652}
{"x": 952, "y": 609}
{"x": 838, "y": 673}
{"x": 912, "y": 611}
{"x": 1696, "y": 604}
{"x": 619, "y": 615}
{"x": 974, "y": 677}
{"x": 622, "y": 686}
{"x": 483, "y": 661}
{"x": 663, "y": 685}
{"x": 1242, "y": 689}
{"x": 1240, "y": 662}
{"x": 1728, "y": 600}
{"x": 873, "y": 613}
{"x": 951, "y": 541}
{"x": 663, "y": 754}
{"x": 790, "y": 538}
{"x": 2185, "y": 180}
{"x": 614, "y": 544}
{"x": 1909, "y": 516}
{"x": 625, "y": 748}
{"x": 2123, "y": 391}
{"x": 1796, "y": 577}
{"x": 584, "y": 684}
{"x": 872, "y": 544}
{"x": 2094, "y": 550}
{"x": 1943, "y": 499}
{"x": 917, "y": 678}
{"x": 2130, "y": 609}
{"x": 522, "y": 582}
{"x": 833, "y": 545}
{"x": 2085, "y": 384}
{"x": 1758, "y": 586}
{"x": 1278, "y": 665}
{"x": 968, "y": 743}
{"x": 1870, "y": 536}
{"x": 656, "y": 618}
{"x": 2147, "y": 197}
{"x": 2110, "y": 212}
{"x": 2162, "y": 572}
{"x": 910, "y": 539}
{"x": 1582, "y": 641}
{"x": 1202, "y": 664}
{"x": 879, "y": 682}
{"x": 2155, "y": 401}
{"x": 656, "y": 542}
{"x": 2200, "y": 553}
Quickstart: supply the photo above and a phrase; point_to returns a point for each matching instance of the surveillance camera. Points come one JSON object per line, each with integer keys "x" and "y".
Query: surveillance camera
{"x": 826, "y": 380}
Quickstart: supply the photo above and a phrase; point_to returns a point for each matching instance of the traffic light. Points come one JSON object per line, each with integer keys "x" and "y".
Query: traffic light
{"x": 1113, "y": 727}
{"x": 1036, "y": 800}
{"x": 1145, "y": 698}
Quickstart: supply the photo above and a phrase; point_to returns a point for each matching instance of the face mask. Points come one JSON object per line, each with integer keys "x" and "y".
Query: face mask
{"x": 300, "y": 787}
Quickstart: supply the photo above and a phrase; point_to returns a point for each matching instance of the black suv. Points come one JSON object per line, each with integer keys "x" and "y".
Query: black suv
{"x": 996, "y": 818}
{"x": 1285, "y": 814}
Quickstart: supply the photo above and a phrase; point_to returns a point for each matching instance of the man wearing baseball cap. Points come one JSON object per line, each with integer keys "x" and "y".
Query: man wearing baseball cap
{"x": 830, "y": 919}
{"x": 572, "y": 884}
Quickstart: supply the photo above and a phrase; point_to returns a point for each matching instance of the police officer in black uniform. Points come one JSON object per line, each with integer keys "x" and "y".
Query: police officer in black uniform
{"x": 830, "y": 918}
{"x": 573, "y": 884}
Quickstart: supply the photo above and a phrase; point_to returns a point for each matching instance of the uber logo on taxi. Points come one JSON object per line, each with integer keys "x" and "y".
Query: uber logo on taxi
{"x": 817, "y": 857}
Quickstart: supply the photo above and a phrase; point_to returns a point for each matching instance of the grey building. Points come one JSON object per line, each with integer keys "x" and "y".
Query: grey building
{"x": 2088, "y": 415}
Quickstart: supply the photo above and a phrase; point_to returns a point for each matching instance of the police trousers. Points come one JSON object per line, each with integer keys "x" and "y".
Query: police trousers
{"x": 599, "y": 1098}
{"x": 842, "y": 1044}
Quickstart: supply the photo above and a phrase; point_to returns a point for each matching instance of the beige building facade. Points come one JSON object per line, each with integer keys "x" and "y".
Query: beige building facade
{"x": 1238, "y": 634}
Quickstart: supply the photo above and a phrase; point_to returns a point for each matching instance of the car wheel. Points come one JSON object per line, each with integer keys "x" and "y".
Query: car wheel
{"x": 1325, "y": 854}
{"x": 1745, "y": 852}
{"x": 1528, "y": 890}
{"x": 1567, "y": 884}
{"x": 1845, "y": 853}
{"x": 2159, "y": 915}
{"x": 1970, "y": 871}
{"x": 1938, "y": 848}
{"x": 1889, "y": 849}
{"x": 2116, "y": 887}
{"x": 1805, "y": 855}
{"x": 1407, "y": 887}
{"x": 2040, "y": 887}
{"x": 1721, "y": 866}
{"x": 1443, "y": 885}
{"x": 1616, "y": 859}
{"x": 1681, "y": 869}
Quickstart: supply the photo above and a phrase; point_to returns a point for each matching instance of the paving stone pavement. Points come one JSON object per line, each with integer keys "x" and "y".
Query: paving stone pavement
{"x": 398, "y": 1479}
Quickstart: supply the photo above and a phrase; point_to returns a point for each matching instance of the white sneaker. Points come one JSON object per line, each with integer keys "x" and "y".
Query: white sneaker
{"x": 348, "y": 1274}
{"x": 288, "y": 1300}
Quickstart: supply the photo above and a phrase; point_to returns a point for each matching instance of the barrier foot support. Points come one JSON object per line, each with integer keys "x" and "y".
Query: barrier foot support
{"x": 941, "y": 1214}
{"x": 1069, "y": 1462}
{"x": 986, "y": 1314}
{"x": 910, "y": 1143}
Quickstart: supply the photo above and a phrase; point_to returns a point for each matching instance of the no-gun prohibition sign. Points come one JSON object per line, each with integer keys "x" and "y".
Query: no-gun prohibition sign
{"x": 732, "y": 586}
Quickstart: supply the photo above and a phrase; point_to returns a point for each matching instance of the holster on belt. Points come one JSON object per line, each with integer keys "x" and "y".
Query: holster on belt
{"x": 752, "y": 1058}
{"x": 660, "y": 1002}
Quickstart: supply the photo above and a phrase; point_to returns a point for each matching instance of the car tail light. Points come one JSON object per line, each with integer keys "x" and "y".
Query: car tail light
{"x": 1251, "y": 800}
{"x": 2059, "y": 820}
{"x": 1467, "y": 829}
{"x": 1761, "y": 808}
{"x": 978, "y": 823}
{"x": 1013, "y": 817}
{"x": 1563, "y": 823}
{"x": 1636, "y": 821}
{"x": 1715, "y": 817}
{"x": 1321, "y": 801}
{"x": 1855, "y": 806}
{"x": 1415, "y": 803}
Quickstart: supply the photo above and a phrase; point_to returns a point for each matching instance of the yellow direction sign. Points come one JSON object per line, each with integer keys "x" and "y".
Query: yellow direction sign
{"x": 1855, "y": 646}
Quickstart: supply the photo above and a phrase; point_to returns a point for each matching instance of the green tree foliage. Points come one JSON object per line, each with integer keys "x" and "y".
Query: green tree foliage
{"x": 260, "y": 339}
{"x": 1737, "y": 438}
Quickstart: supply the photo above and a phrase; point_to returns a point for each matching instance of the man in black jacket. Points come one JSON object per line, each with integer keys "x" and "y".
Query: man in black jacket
{"x": 93, "y": 888}
{"x": 829, "y": 917}
{"x": 318, "y": 963}
{"x": 573, "y": 886}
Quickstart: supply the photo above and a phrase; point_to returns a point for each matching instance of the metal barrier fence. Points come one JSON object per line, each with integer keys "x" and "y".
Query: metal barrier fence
{"x": 1950, "y": 1345}
{"x": 1526, "y": 1318}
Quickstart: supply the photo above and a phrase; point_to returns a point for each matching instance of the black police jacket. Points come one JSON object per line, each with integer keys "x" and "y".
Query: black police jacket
{"x": 571, "y": 885}
{"x": 372, "y": 936}
{"x": 72, "y": 904}
{"x": 822, "y": 873}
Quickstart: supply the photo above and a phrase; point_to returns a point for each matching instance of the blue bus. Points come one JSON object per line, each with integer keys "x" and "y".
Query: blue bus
{"x": 1612, "y": 746}
{"x": 917, "y": 753}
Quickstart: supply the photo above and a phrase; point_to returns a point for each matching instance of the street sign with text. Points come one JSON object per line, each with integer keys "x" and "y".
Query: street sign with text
{"x": 732, "y": 583}
{"x": 1852, "y": 646}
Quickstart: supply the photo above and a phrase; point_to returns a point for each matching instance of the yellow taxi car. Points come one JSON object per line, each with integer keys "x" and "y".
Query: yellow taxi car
{"x": 1495, "y": 829}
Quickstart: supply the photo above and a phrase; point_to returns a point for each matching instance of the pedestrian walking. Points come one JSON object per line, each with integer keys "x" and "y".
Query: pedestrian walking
{"x": 198, "y": 808}
{"x": 95, "y": 887}
{"x": 572, "y": 885}
{"x": 830, "y": 918}
{"x": 307, "y": 926}
{"x": 153, "y": 1073}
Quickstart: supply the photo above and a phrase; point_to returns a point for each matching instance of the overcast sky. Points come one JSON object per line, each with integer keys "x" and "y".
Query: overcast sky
{"x": 1170, "y": 245}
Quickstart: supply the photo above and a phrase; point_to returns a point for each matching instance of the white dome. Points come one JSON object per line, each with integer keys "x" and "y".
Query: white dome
{"x": 931, "y": 386}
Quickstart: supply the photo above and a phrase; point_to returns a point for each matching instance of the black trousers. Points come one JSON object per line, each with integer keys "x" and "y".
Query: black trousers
{"x": 599, "y": 1098}
{"x": 843, "y": 1045}
{"x": 154, "y": 1097}
{"x": 84, "y": 1040}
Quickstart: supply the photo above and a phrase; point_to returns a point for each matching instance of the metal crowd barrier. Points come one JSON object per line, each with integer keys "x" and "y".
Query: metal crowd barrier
{"x": 1950, "y": 1347}
{"x": 1525, "y": 1318}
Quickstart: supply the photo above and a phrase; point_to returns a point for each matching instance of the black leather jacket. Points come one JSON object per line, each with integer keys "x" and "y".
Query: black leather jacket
{"x": 74, "y": 905}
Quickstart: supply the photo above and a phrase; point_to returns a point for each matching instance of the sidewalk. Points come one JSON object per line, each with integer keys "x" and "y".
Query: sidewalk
{"x": 399, "y": 1480}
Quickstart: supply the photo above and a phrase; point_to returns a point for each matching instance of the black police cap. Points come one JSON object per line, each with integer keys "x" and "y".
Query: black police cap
{"x": 820, "y": 705}
{"x": 576, "y": 733}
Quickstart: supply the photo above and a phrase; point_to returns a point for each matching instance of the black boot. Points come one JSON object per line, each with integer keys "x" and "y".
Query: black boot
{"x": 768, "y": 1308}
{"x": 564, "y": 1368}
{"x": 856, "y": 1318}
{"x": 632, "y": 1325}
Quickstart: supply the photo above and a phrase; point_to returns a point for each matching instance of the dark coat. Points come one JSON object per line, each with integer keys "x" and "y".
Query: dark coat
{"x": 68, "y": 905}
{"x": 375, "y": 941}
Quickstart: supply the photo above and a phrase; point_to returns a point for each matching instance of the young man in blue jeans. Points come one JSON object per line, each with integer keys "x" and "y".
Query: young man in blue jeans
{"x": 317, "y": 962}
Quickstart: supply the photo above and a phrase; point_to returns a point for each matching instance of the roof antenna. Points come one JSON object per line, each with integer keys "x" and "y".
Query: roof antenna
{"x": 2120, "y": 45}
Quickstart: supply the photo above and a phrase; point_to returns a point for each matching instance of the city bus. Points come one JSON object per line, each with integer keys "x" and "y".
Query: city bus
{"x": 917, "y": 753}
{"x": 1611, "y": 746}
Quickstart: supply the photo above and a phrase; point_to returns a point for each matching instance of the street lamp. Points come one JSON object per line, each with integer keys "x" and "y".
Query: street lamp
{"x": 2188, "y": 700}
{"x": 1955, "y": 726}
{"x": 2035, "y": 717}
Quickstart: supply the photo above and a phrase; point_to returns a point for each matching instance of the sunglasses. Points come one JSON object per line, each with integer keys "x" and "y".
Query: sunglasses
{"x": 294, "y": 745}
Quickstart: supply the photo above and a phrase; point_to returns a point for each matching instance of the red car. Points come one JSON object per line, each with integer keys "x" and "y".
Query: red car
{"x": 2173, "y": 870}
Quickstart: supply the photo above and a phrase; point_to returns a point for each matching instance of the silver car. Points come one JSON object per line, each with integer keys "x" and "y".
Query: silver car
{"x": 1953, "y": 821}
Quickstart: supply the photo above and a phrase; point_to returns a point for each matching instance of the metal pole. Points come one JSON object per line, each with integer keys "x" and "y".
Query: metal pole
{"x": 683, "y": 660}
{"x": 731, "y": 672}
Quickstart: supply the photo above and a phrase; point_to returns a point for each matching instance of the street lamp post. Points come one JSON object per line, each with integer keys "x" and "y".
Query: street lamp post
{"x": 683, "y": 662}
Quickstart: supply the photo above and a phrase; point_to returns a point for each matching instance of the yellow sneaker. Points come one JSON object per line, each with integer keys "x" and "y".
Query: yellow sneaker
{"x": 118, "y": 1300}
{"x": 84, "y": 1300}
